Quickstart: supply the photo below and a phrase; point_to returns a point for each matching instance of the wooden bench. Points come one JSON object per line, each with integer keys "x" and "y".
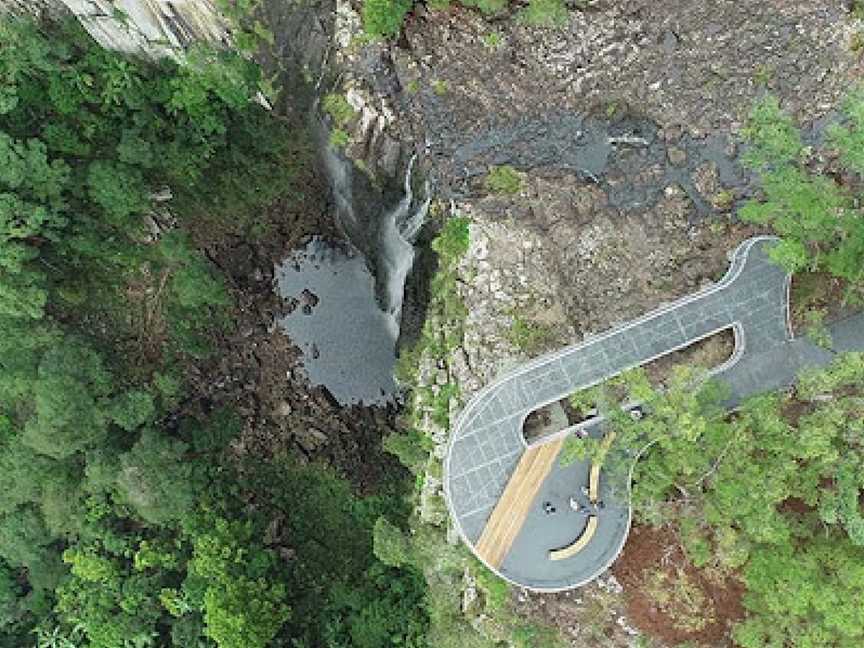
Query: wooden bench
{"x": 515, "y": 502}
{"x": 578, "y": 544}
{"x": 594, "y": 483}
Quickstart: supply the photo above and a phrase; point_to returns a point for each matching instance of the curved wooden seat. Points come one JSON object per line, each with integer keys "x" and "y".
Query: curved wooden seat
{"x": 594, "y": 478}
{"x": 578, "y": 544}
{"x": 594, "y": 483}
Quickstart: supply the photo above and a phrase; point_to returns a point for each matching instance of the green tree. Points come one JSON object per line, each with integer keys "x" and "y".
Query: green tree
{"x": 69, "y": 397}
{"x": 123, "y": 129}
{"x": 118, "y": 189}
{"x": 114, "y": 604}
{"x": 726, "y": 482}
{"x": 804, "y": 596}
{"x": 244, "y": 606}
{"x": 12, "y": 614}
{"x": 365, "y": 599}
{"x": 31, "y": 208}
{"x": 26, "y": 542}
{"x": 378, "y": 612}
{"x": 193, "y": 290}
{"x": 849, "y": 138}
{"x": 819, "y": 221}
{"x": 157, "y": 480}
{"x": 390, "y": 544}
{"x": 22, "y": 472}
{"x": 122, "y": 522}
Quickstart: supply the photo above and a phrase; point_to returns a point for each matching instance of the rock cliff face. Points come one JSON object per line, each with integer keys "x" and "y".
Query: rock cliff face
{"x": 152, "y": 28}
{"x": 28, "y": 6}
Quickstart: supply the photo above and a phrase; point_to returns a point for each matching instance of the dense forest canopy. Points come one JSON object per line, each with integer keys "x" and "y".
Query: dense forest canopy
{"x": 127, "y": 520}
{"x": 122, "y": 522}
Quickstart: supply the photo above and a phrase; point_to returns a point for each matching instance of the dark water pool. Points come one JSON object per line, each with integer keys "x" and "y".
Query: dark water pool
{"x": 348, "y": 341}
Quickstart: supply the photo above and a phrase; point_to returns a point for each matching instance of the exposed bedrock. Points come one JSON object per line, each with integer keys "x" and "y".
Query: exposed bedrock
{"x": 152, "y": 28}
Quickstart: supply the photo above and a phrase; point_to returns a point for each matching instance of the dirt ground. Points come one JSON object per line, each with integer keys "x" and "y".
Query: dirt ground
{"x": 589, "y": 617}
{"x": 817, "y": 293}
{"x": 708, "y": 353}
{"x": 668, "y": 598}
{"x": 652, "y": 596}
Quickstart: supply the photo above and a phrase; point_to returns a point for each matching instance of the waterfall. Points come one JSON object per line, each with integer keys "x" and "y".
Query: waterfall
{"x": 395, "y": 250}
{"x": 346, "y": 300}
{"x": 385, "y": 236}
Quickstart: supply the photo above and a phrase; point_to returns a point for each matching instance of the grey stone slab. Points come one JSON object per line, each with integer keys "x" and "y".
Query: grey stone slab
{"x": 717, "y": 309}
{"x": 483, "y": 416}
{"x": 533, "y": 375}
{"x": 699, "y": 328}
{"x": 473, "y": 524}
{"x": 511, "y": 398}
{"x": 625, "y": 358}
{"x": 574, "y": 365}
{"x": 512, "y": 442}
{"x": 846, "y": 334}
{"x": 528, "y": 560}
{"x": 548, "y": 387}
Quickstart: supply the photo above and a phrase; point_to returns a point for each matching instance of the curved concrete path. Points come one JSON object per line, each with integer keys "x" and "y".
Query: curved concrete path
{"x": 487, "y": 443}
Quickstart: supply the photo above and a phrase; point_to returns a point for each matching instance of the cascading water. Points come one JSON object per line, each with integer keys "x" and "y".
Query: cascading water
{"x": 396, "y": 235}
{"x": 348, "y": 297}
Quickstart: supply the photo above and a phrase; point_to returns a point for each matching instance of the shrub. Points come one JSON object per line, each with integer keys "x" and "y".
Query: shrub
{"x": 544, "y": 13}
{"x": 383, "y": 18}
{"x": 340, "y": 111}
{"x": 339, "y": 138}
{"x": 487, "y": 7}
{"x": 412, "y": 448}
{"x": 528, "y": 335}
{"x": 849, "y": 138}
{"x": 503, "y": 180}
{"x": 452, "y": 243}
{"x": 819, "y": 221}
{"x": 493, "y": 40}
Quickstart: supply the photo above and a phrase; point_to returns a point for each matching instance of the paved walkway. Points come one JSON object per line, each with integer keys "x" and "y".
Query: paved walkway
{"x": 487, "y": 441}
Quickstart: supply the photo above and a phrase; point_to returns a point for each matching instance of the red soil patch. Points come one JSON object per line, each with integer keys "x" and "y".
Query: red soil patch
{"x": 815, "y": 291}
{"x": 656, "y": 553}
{"x": 794, "y": 505}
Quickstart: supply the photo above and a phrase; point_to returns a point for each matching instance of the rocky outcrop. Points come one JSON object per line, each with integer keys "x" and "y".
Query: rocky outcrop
{"x": 370, "y": 86}
{"x": 27, "y": 6}
{"x": 152, "y": 28}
